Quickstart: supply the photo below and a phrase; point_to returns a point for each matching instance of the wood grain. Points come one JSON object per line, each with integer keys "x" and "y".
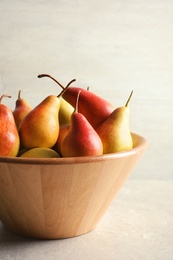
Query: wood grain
{"x": 50, "y": 201}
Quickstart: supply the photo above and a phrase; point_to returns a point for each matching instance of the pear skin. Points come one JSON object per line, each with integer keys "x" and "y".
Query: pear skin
{"x": 65, "y": 112}
{"x": 115, "y": 131}
{"x": 92, "y": 106}
{"x": 40, "y": 127}
{"x": 40, "y": 153}
{"x": 22, "y": 108}
{"x": 63, "y": 130}
{"x": 82, "y": 139}
{"x": 9, "y": 137}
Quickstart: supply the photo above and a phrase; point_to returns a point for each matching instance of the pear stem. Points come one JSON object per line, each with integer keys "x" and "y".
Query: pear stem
{"x": 3, "y": 97}
{"x": 49, "y": 76}
{"x": 129, "y": 99}
{"x": 64, "y": 89}
{"x": 19, "y": 94}
{"x": 77, "y": 102}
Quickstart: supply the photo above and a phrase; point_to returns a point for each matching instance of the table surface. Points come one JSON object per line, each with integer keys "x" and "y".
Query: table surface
{"x": 112, "y": 46}
{"x": 138, "y": 225}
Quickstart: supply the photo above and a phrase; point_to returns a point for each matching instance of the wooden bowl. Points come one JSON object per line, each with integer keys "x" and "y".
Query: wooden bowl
{"x": 62, "y": 197}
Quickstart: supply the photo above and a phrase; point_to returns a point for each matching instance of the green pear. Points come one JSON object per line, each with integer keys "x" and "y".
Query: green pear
{"x": 9, "y": 137}
{"x": 65, "y": 112}
{"x": 40, "y": 127}
{"x": 22, "y": 108}
{"x": 115, "y": 131}
{"x": 39, "y": 152}
{"x": 81, "y": 139}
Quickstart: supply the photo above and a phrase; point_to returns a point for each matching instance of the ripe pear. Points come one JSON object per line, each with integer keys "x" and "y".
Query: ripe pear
{"x": 82, "y": 139}
{"x": 40, "y": 127}
{"x": 95, "y": 108}
{"x": 115, "y": 131}
{"x": 22, "y": 108}
{"x": 66, "y": 109}
{"x": 40, "y": 152}
{"x": 65, "y": 112}
{"x": 63, "y": 130}
{"x": 9, "y": 137}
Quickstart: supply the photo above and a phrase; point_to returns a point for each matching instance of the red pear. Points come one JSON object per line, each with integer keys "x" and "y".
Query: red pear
{"x": 82, "y": 139}
{"x": 9, "y": 137}
{"x": 93, "y": 107}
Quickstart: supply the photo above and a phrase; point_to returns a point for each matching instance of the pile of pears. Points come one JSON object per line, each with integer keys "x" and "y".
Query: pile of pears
{"x": 77, "y": 122}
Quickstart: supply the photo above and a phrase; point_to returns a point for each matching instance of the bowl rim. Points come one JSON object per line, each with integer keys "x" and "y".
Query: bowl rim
{"x": 139, "y": 147}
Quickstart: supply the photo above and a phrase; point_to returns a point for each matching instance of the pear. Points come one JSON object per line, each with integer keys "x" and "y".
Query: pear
{"x": 40, "y": 127}
{"x": 63, "y": 130}
{"x": 93, "y": 107}
{"x": 115, "y": 131}
{"x": 66, "y": 109}
{"x": 65, "y": 112}
{"x": 22, "y": 108}
{"x": 9, "y": 137}
{"x": 81, "y": 139}
{"x": 39, "y": 152}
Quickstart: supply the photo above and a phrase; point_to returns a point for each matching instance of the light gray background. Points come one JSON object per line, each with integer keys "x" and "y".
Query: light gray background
{"x": 113, "y": 47}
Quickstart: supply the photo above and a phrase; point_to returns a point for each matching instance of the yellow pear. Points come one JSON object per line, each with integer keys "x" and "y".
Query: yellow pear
{"x": 39, "y": 152}
{"x": 65, "y": 112}
{"x": 40, "y": 127}
{"x": 115, "y": 131}
{"x": 22, "y": 108}
{"x": 66, "y": 109}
